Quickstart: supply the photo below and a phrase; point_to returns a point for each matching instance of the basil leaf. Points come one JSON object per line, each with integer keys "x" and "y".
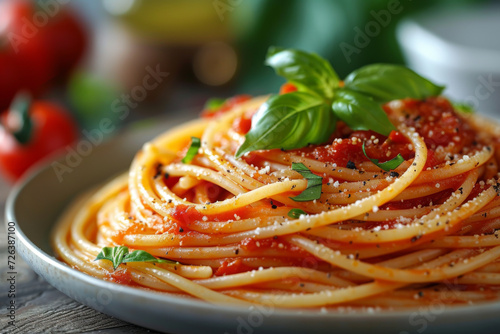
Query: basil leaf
{"x": 360, "y": 112}
{"x": 143, "y": 256}
{"x": 314, "y": 183}
{"x": 120, "y": 254}
{"x": 192, "y": 151}
{"x": 463, "y": 108}
{"x": 113, "y": 254}
{"x": 388, "y": 165}
{"x": 214, "y": 104}
{"x": 289, "y": 121}
{"x": 308, "y": 71}
{"x": 386, "y": 82}
{"x": 295, "y": 213}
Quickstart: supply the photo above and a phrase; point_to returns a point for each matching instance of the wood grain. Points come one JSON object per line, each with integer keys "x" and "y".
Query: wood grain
{"x": 43, "y": 309}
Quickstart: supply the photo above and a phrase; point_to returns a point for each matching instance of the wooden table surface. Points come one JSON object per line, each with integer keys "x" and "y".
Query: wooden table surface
{"x": 40, "y": 307}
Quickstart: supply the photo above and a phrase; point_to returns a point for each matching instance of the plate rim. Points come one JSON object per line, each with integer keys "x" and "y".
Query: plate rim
{"x": 450, "y": 314}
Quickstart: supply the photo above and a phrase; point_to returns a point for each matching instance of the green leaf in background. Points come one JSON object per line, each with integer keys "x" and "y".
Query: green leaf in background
{"x": 386, "y": 82}
{"x": 295, "y": 213}
{"x": 192, "y": 151}
{"x": 289, "y": 121}
{"x": 388, "y": 165}
{"x": 314, "y": 183}
{"x": 308, "y": 71}
{"x": 120, "y": 254}
{"x": 361, "y": 113}
{"x": 94, "y": 99}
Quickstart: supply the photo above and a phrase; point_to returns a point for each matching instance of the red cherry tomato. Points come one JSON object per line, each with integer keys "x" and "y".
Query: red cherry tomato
{"x": 67, "y": 39}
{"x": 51, "y": 129}
{"x": 10, "y": 77}
{"x": 23, "y": 50}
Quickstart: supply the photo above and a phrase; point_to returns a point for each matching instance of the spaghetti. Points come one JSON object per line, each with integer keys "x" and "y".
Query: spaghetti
{"x": 426, "y": 230}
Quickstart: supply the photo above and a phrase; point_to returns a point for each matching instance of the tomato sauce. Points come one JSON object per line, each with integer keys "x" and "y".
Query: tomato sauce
{"x": 232, "y": 266}
{"x": 226, "y": 106}
{"x": 121, "y": 277}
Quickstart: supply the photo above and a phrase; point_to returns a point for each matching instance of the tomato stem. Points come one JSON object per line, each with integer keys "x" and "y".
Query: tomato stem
{"x": 21, "y": 127}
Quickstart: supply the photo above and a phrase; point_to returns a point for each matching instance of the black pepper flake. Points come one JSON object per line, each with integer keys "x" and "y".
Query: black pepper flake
{"x": 181, "y": 229}
{"x": 158, "y": 170}
{"x": 236, "y": 251}
{"x": 415, "y": 238}
{"x": 394, "y": 174}
{"x": 364, "y": 183}
{"x": 420, "y": 294}
{"x": 274, "y": 206}
{"x": 308, "y": 229}
{"x": 166, "y": 175}
{"x": 497, "y": 188}
{"x": 301, "y": 285}
{"x": 275, "y": 237}
{"x": 416, "y": 119}
{"x": 356, "y": 256}
{"x": 351, "y": 165}
{"x": 349, "y": 196}
{"x": 461, "y": 189}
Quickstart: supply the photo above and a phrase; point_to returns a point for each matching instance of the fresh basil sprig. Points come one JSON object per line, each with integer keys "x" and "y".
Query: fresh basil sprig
{"x": 192, "y": 150}
{"x": 351, "y": 107}
{"x": 314, "y": 182}
{"x": 307, "y": 71}
{"x": 387, "y": 82}
{"x": 295, "y": 213}
{"x": 289, "y": 121}
{"x": 120, "y": 254}
{"x": 321, "y": 101}
{"x": 388, "y": 165}
{"x": 463, "y": 108}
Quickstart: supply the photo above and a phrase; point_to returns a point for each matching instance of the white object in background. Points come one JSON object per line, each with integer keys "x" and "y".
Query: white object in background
{"x": 458, "y": 48}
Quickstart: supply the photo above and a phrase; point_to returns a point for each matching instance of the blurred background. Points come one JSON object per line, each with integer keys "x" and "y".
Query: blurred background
{"x": 106, "y": 63}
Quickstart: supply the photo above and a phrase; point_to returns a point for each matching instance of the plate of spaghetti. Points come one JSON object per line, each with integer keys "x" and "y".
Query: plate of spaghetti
{"x": 369, "y": 203}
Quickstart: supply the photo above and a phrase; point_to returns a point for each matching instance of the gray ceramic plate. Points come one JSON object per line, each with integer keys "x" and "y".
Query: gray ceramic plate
{"x": 35, "y": 205}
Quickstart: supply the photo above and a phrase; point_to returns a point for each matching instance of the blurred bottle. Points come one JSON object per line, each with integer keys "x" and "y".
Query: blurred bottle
{"x": 186, "y": 38}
